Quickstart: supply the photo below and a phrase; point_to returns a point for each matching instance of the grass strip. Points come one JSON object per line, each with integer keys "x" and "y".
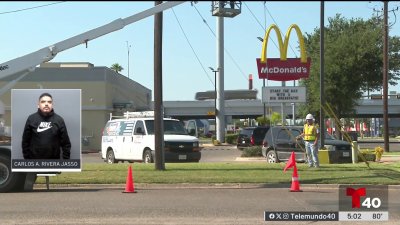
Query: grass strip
{"x": 238, "y": 172}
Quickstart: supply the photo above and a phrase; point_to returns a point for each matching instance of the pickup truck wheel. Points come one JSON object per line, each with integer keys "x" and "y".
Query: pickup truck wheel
{"x": 147, "y": 157}
{"x": 271, "y": 157}
{"x": 111, "y": 157}
{"x": 10, "y": 181}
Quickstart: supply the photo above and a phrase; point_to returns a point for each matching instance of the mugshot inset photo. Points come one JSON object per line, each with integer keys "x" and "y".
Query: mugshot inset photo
{"x": 46, "y": 130}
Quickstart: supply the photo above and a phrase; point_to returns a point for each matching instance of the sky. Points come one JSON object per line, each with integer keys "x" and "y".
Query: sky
{"x": 188, "y": 54}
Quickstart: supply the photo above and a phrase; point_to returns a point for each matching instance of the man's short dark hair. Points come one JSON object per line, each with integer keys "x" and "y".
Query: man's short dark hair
{"x": 45, "y": 94}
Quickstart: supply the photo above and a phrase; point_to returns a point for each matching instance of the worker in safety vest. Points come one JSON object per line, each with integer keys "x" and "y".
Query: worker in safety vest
{"x": 310, "y": 135}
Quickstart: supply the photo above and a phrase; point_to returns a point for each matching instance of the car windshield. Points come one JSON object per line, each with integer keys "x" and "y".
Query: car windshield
{"x": 170, "y": 127}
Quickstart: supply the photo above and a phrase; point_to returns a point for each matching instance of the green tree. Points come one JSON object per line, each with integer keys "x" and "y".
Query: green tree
{"x": 276, "y": 118}
{"x": 353, "y": 63}
{"x": 263, "y": 121}
{"x": 116, "y": 67}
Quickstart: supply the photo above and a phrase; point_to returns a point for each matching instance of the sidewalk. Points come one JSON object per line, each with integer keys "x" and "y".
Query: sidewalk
{"x": 390, "y": 158}
{"x": 384, "y": 159}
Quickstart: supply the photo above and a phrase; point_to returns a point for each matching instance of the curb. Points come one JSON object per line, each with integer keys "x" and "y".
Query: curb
{"x": 194, "y": 186}
{"x": 249, "y": 159}
{"x": 90, "y": 151}
{"x": 220, "y": 145}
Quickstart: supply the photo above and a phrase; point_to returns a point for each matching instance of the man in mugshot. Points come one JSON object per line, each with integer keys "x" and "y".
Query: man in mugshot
{"x": 45, "y": 134}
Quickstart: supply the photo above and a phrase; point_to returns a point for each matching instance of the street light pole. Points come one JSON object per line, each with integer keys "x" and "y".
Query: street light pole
{"x": 293, "y": 115}
{"x": 263, "y": 102}
{"x": 262, "y": 40}
{"x": 283, "y": 105}
{"x": 215, "y": 89}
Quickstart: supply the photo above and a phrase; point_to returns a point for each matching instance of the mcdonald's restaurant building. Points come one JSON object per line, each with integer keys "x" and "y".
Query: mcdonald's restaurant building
{"x": 103, "y": 91}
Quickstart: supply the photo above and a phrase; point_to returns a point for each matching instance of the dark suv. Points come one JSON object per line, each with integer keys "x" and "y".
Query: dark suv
{"x": 279, "y": 142}
{"x": 251, "y": 136}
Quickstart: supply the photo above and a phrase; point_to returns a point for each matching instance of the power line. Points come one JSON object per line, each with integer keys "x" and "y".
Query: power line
{"x": 264, "y": 28}
{"x": 379, "y": 15}
{"x": 395, "y": 18}
{"x": 251, "y": 12}
{"x": 265, "y": 8}
{"x": 227, "y": 52}
{"x": 194, "y": 52}
{"x": 227, "y": 104}
{"x": 35, "y": 7}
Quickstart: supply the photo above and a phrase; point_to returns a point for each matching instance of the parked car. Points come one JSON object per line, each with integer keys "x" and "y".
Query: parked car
{"x": 251, "y": 136}
{"x": 279, "y": 142}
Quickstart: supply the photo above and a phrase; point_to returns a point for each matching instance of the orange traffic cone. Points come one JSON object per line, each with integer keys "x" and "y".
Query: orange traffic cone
{"x": 129, "y": 187}
{"x": 295, "y": 181}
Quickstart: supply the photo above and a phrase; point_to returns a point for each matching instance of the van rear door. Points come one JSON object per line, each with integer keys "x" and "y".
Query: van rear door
{"x": 127, "y": 139}
{"x": 139, "y": 141}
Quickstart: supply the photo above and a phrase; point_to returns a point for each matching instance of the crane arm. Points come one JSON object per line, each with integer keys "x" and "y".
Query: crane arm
{"x": 30, "y": 61}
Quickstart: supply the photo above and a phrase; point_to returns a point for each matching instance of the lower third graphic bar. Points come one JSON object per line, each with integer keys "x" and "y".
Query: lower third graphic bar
{"x": 363, "y": 216}
{"x": 301, "y": 216}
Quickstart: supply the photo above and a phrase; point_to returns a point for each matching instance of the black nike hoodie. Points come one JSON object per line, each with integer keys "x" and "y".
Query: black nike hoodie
{"x": 44, "y": 136}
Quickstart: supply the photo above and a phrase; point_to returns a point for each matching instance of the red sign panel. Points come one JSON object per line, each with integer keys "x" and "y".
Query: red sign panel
{"x": 291, "y": 69}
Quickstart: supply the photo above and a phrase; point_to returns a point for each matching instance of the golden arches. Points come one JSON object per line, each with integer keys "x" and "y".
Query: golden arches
{"x": 283, "y": 45}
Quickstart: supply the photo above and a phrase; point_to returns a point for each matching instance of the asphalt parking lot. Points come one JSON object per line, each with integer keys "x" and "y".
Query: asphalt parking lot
{"x": 229, "y": 153}
{"x": 225, "y": 153}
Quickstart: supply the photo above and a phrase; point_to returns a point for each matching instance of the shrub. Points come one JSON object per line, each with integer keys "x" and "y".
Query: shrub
{"x": 231, "y": 138}
{"x": 216, "y": 142}
{"x": 213, "y": 138}
{"x": 378, "y": 151}
{"x": 252, "y": 152}
{"x": 369, "y": 155}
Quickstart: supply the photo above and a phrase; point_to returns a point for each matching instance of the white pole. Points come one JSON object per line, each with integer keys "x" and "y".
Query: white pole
{"x": 282, "y": 105}
{"x": 293, "y": 115}
{"x": 220, "y": 119}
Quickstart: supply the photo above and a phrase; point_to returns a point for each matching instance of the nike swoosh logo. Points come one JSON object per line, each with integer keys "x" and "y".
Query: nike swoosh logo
{"x": 42, "y": 129}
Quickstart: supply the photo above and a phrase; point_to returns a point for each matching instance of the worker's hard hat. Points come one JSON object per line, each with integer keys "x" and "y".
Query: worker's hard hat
{"x": 309, "y": 117}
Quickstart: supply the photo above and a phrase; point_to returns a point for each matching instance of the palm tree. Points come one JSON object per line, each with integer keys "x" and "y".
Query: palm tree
{"x": 116, "y": 67}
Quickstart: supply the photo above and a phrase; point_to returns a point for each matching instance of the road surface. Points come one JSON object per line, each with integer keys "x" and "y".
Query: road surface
{"x": 89, "y": 205}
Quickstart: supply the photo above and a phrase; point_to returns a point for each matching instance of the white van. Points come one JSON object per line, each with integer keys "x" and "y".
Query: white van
{"x": 132, "y": 139}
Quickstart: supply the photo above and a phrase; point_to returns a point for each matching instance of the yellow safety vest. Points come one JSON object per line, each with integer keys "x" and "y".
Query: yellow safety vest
{"x": 310, "y": 132}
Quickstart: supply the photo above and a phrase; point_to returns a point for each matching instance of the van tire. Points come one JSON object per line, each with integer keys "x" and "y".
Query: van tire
{"x": 272, "y": 157}
{"x": 147, "y": 156}
{"x": 110, "y": 157}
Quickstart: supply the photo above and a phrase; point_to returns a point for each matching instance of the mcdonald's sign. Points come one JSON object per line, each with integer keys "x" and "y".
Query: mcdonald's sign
{"x": 283, "y": 68}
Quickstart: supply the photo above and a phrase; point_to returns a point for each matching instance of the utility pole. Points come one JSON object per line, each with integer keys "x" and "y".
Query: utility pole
{"x": 158, "y": 99}
{"x": 321, "y": 81}
{"x": 385, "y": 77}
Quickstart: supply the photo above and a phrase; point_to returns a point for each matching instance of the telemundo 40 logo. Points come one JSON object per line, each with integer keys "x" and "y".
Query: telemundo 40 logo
{"x": 363, "y": 198}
